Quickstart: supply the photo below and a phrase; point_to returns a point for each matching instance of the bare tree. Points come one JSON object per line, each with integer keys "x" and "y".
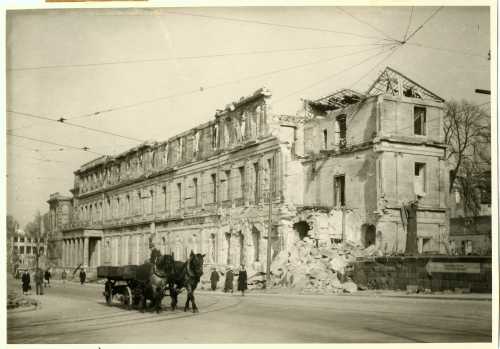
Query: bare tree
{"x": 466, "y": 131}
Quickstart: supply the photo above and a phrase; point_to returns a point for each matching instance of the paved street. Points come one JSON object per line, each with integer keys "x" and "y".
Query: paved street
{"x": 75, "y": 314}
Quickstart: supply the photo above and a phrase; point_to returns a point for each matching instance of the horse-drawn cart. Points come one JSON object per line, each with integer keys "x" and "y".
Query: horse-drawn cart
{"x": 127, "y": 282}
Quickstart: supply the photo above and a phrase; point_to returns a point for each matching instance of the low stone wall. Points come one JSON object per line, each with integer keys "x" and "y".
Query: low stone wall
{"x": 435, "y": 273}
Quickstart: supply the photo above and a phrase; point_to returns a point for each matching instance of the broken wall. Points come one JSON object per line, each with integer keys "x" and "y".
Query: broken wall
{"x": 396, "y": 118}
{"x": 360, "y": 123}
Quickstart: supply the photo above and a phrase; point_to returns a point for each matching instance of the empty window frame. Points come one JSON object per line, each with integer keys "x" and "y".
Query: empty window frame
{"x": 339, "y": 191}
{"x": 213, "y": 187}
{"x": 420, "y": 178}
{"x": 341, "y": 131}
{"x": 164, "y": 197}
{"x": 195, "y": 192}
{"x": 256, "y": 191}
{"x": 228, "y": 185}
{"x": 325, "y": 139}
{"x": 215, "y": 136}
{"x": 419, "y": 121}
{"x": 241, "y": 172}
{"x": 179, "y": 195}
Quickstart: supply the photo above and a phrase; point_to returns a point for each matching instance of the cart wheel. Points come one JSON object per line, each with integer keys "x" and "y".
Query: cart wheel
{"x": 108, "y": 293}
{"x": 127, "y": 297}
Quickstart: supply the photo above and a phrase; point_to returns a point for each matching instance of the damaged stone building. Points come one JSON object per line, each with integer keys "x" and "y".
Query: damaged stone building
{"x": 341, "y": 170}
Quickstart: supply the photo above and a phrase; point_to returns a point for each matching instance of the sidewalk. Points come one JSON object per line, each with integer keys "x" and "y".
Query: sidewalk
{"x": 367, "y": 293}
{"x": 284, "y": 292}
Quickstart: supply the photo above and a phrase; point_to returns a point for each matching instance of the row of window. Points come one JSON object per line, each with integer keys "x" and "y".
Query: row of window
{"x": 25, "y": 239}
{"x": 183, "y": 148}
{"x": 27, "y": 249}
{"x": 231, "y": 184}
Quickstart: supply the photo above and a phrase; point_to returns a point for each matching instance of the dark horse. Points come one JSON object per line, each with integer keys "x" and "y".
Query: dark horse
{"x": 184, "y": 275}
{"x": 156, "y": 283}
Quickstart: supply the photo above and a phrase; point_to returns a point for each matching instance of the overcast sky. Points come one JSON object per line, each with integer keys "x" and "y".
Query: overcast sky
{"x": 166, "y": 47}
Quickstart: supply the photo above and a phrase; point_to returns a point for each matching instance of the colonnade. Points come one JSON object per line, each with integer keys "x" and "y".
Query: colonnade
{"x": 76, "y": 251}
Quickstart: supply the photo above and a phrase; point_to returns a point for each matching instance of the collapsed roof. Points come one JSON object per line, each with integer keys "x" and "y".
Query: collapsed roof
{"x": 389, "y": 82}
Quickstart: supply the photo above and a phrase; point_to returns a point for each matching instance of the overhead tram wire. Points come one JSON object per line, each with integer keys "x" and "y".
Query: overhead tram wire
{"x": 409, "y": 23}
{"x": 446, "y": 49}
{"x": 166, "y": 59}
{"x": 85, "y": 148}
{"x": 391, "y": 52}
{"x": 407, "y": 38}
{"x": 277, "y": 25}
{"x": 65, "y": 122}
{"x": 334, "y": 74}
{"x": 366, "y": 23}
{"x": 207, "y": 87}
{"x": 422, "y": 25}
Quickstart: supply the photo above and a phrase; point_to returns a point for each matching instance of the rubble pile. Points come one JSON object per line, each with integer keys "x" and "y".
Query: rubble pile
{"x": 309, "y": 268}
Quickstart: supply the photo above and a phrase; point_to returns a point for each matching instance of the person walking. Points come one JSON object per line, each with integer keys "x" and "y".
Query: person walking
{"x": 83, "y": 276}
{"x": 25, "y": 278}
{"x": 64, "y": 276}
{"x": 242, "y": 280}
{"x": 47, "y": 277}
{"x": 228, "y": 285}
{"x": 39, "y": 281}
{"x": 214, "y": 279}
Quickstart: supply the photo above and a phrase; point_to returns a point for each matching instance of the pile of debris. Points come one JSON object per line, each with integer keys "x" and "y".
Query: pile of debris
{"x": 310, "y": 268}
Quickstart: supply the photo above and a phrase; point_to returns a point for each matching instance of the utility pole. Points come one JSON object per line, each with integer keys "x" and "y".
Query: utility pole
{"x": 270, "y": 225}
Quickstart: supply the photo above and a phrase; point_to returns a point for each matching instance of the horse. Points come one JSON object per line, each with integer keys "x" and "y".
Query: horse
{"x": 184, "y": 275}
{"x": 154, "y": 286}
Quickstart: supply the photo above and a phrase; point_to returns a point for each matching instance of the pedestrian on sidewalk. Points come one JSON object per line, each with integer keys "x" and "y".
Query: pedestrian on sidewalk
{"x": 228, "y": 285}
{"x": 214, "y": 279}
{"x": 242, "y": 280}
{"x": 83, "y": 276}
{"x": 63, "y": 276}
{"x": 47, "y": 277}
{"x": 39, "y": 281}
{"x": 26, "y": 282}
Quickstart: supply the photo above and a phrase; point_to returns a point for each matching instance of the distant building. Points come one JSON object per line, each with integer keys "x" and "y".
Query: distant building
{"x": 25, "y": 247}
{"x": 341, "y": 171}
{"x": 471, "y": 234}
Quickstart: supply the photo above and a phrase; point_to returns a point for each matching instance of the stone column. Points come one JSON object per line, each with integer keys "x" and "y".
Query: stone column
{"x": 72, "y": 252}
{"x": 124, "y": 260}
{"x": 77, "y": 251}
{"x": 65, "y": 253}
{"x": 98, "y": 252}
{"x": 86, "y": 252}
{"x": 114, "y": 250}
{"x": 138, "y": 249}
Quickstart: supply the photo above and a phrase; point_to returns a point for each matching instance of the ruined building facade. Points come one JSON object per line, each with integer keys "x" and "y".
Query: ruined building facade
{"x": 340, "y": 171}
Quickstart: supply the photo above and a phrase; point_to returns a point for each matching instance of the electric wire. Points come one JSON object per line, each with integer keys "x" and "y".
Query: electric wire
{"x": 423, "y": 24}
{"x": 167, "y": 59}
{"x": 85, "y": 148}
{"x": 446, "y": 50}
{"x": 230, "y": 82}
{"x": 330, "y": 76}
{"x": 391, "y": 52}
{"x": 276, "y": 24}
{"x": 366, "y": 23}
{"x": 65, "y": 122}
{"x": 409, "y": 23}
